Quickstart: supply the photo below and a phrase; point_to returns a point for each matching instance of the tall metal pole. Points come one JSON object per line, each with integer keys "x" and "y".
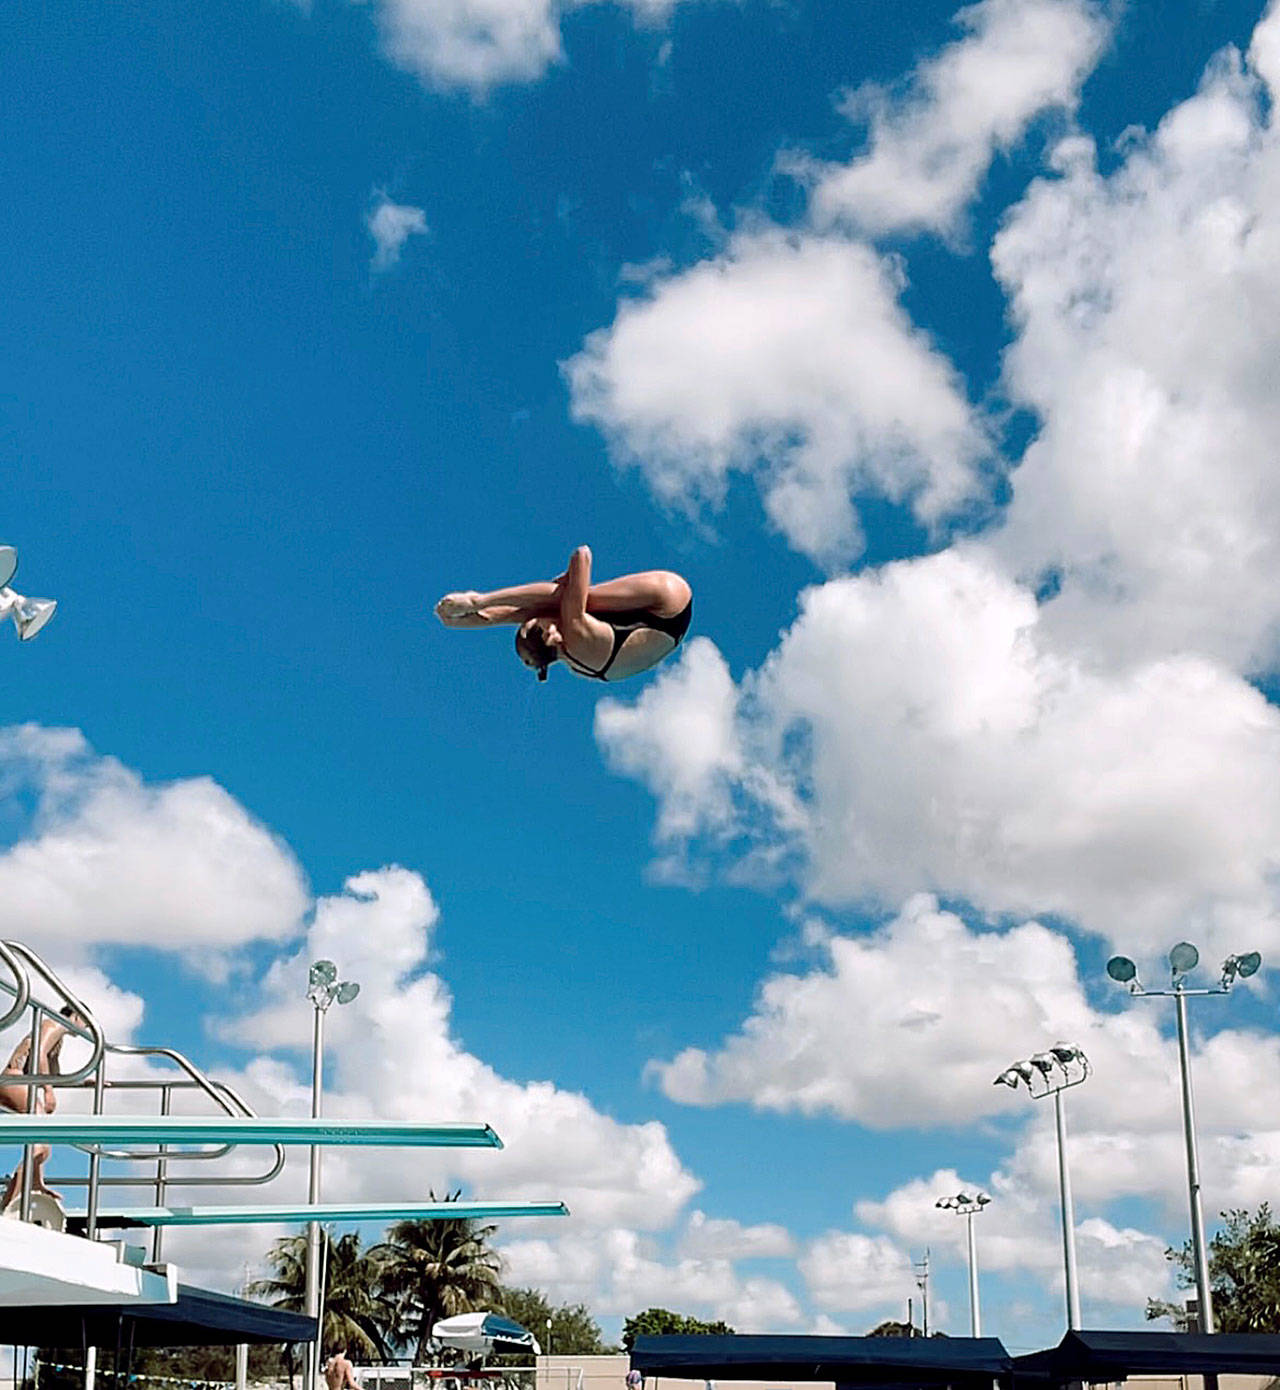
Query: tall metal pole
{"x": 1199, "y": 1253}
{"x": 975, "y": 1315}
{"x": 1068, "y": 1218}
{"x": 313, "y": 1196}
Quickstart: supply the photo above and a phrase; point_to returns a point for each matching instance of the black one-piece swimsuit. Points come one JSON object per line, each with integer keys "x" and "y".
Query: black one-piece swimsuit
{"x": 624, "y": 623}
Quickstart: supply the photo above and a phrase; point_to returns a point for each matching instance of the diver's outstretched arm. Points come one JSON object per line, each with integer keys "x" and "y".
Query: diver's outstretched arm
{"x": 488, "y": 617}
{"x": 660, "y": 591}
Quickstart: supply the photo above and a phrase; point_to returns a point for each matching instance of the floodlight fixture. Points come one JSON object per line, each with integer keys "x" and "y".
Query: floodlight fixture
{"x": 1240, "y": 967}
{"x": 29, "y": 615}
{"x": 1183, "y": 958}
{"x": 347, "y": 991}
{"x": 1123, "y": 971}
{"x": 322, "y": 972}
{"x": 1044, "y": 1062}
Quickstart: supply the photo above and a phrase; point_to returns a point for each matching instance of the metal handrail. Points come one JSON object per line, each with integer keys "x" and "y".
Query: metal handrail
{"x": 21, "y": 989}
{"x": 22, "y": 960}
{"x": 92, "y": 1031}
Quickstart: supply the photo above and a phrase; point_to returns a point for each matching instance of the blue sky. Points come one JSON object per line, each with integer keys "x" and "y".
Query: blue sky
{"x": 246, "y": 453}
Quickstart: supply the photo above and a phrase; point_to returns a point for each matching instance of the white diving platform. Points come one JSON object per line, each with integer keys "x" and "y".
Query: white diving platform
{"x": 40, "y": 1268}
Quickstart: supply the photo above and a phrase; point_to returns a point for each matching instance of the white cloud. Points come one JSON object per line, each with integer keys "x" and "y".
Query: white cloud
{"x": 930, "y": 736}
{"x": 907, "y": 1026}
{"x": 788, "y": 358}
{"x": 680, "y": 736}
{"x": 394, "y": 1055}
{"x": 391, "y": 225}
{"x": 619, "y": 1271}
{"x": 709, "y": 1237}
{"x": 479, "y": 44}
{"x": 1019, "y": 1233}
{"x": 105, "y": 858}
{"x": 1147, "y": 305}
{"x": 929, "y": 149}
{"x": 849, "y": 1272}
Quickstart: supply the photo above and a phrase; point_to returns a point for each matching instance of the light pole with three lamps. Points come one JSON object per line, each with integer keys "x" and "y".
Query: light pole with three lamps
{"x": 323, "y": 989}
{"x": 1182, "y": 959}
{"x": 1049, "y": 1074}
{"x": 969, "y": 1205}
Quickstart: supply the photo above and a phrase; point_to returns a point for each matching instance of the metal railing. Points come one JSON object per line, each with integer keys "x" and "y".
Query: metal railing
{"x": 22, "y": 963}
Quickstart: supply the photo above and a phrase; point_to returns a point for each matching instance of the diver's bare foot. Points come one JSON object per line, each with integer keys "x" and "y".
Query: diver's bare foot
{"x": 460, "y": 605}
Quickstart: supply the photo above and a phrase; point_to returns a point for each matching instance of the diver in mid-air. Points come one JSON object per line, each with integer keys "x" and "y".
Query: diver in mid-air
{"x": 602, "y": 632}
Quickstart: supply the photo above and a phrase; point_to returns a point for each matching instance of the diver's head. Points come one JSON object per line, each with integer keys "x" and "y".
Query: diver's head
{"x": 538, "y": 644}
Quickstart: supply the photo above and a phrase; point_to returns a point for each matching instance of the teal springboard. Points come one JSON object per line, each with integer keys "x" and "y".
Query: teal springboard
{"x": 322, "y": 1211}
{"x": 239, "y": 1129}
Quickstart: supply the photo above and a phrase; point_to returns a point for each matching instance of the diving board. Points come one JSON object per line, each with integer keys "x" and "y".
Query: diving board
{"x": 296, "y": 1215}
{"x": 239, "y": 1129}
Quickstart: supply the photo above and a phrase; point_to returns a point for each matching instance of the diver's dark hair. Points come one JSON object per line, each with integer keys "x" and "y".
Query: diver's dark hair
{"x": 532, "y": 647}
{"x": 70, "y": 1011}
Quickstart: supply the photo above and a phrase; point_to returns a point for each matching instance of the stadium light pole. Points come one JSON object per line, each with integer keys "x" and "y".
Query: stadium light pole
{"x": 1182, "y": 959}
{"x": 969, "y": 1205}
{"x": 1049, "y": 1074}
{"x": 323, "y": 989}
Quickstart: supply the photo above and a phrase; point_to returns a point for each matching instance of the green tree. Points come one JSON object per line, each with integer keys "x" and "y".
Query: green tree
{"x": 574, "y": 1332}
{"x": 894, "y": 1329}
{"x": 436, "y": 1269}
{"x": 1244, "y": 1274}
{"x": 357, "y": 1312}
{"x": 661, "y": 1322}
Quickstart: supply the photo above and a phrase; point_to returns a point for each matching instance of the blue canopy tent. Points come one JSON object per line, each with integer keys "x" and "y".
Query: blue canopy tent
{"x": 853, "y": 1361}
{"x": 1114, "y": 1356}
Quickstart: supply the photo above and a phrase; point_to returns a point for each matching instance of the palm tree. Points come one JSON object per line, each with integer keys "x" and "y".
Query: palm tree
{"x": 357, "y": 1315}
{"x": 437, "y": 1269}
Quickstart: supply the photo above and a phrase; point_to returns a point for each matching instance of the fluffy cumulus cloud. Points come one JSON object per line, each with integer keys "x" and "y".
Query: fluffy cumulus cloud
{"x": 395, "y": 1056}
{"x": 920, "y": 730}
{"x": 885, "y": 1032}
{"x": 479, "y": 44}
{"x": 1119, "y": 1267}
{"x": 1146, "y": 304}
{"x": 850, "y": 1272}
{"x": 97, "y": 856}
{"x": 709, "y": 1237}
{"x": 929, "y": 146}
{"x": 787, "y": 357}
{"x": 619, "y": 1271}
{"x": 391, "y": 225}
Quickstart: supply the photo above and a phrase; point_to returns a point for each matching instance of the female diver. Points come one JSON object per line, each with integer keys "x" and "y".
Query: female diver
{"x": 602, "y": 632}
